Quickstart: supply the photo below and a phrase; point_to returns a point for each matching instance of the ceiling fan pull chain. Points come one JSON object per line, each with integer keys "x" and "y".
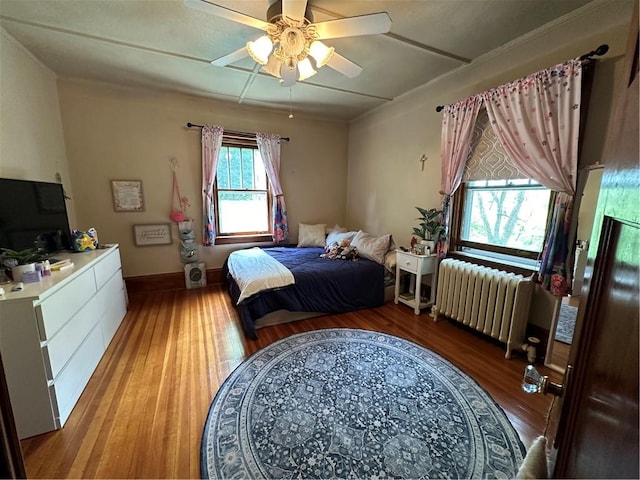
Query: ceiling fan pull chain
{"x": 290, "y": 104}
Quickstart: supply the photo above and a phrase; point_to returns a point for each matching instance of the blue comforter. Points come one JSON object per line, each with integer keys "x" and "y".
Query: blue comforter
{"x": 321, "y": 285}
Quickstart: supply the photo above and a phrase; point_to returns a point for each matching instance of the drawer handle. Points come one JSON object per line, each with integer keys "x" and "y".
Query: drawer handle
{"x": 407, "y": 263}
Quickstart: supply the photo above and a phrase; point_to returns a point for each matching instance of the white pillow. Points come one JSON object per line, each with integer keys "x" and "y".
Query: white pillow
{"x": 311, "y": 235}
{"x": 535, "y": 464}
{"x": 392, "y": 244}
{"x": 371, "y": 247}
{"x": 338, "y": 236}
{"x": 390, "y": 261}
{"x": 336, "y": 227}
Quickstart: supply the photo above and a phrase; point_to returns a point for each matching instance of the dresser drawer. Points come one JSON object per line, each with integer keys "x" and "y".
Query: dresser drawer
{"x": 68, "y": 386}
{"x": 429, "y": 264}
{"x": 59, "y": 349}
{"x": 106, "y": 267}
{"x": 407, "y": 262}
{"x": 58, "y": 309}
{"x": 113, "y": 307}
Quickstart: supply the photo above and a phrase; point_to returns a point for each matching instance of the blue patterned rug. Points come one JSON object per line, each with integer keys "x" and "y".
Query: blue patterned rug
{"x": 566, "y": 323}
{"x": 342, "y": 403}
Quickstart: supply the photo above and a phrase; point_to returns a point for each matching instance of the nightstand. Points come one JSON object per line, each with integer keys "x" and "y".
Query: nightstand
{"x": 417, "y": 266}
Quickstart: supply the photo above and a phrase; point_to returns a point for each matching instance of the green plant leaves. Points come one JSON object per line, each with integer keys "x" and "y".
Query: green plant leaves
{"x": 22, "y": 257}
{"x": 430, "y": 224}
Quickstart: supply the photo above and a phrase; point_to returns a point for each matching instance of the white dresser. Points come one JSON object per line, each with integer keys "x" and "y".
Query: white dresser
{"x": 53, "y": 334}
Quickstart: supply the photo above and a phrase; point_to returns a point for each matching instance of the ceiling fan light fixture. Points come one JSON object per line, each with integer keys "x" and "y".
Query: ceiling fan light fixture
{"x": 260, "y": 49}
{"x": 292, "y": 41}
{"x": 272, "y": 67}
{"x": 292, "y": 38}
{"x": 305, "y": 70}
{"x": 289, "y": 73}
{"x": 320, "y": 53}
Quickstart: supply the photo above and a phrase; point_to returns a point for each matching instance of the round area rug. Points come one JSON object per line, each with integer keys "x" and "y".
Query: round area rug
{"x": 340, "y": 403}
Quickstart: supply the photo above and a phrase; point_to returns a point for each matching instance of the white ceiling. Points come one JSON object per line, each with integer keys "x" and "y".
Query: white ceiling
{"x": 164, "y": 44}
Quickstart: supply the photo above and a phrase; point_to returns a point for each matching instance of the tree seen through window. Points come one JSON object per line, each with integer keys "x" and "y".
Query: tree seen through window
{"x": 506, "y": 213}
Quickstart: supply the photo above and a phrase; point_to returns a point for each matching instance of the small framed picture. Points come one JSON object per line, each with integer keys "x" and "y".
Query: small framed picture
{"x": 127, "y": 195}
{"x": 152, "y": 234}
{"x": 418, "y": 248}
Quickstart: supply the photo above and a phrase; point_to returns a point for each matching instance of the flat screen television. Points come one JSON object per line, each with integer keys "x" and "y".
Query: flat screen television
{"x": 33, "y": 214}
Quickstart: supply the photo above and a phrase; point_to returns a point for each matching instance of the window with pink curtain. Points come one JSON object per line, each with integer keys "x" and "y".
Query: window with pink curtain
{"x": 537, "y": 120}
{"x": 269, "y": 146}
{"x": 211, "y": 143}
{"x": 457, "y": 129}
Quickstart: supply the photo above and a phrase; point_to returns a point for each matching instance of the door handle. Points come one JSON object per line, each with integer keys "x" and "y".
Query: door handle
{"x": 534, "y": 382}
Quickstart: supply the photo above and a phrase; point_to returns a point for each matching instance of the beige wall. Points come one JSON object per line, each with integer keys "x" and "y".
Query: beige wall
{"x": 31, "y": 141}
{"x": 385, "y": 180}
{"x": 123, "y": 134}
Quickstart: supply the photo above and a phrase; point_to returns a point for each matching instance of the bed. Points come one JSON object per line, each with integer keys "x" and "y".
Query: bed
{"x": 317, "y": 286}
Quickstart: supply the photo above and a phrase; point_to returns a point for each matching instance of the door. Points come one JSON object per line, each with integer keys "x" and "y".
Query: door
{"x": 597, "y": 434}
{"x": 11, "y": 461}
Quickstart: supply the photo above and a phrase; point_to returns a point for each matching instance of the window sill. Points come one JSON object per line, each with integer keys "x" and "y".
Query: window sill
{"x": 501, "y": 264}
{"x": 230, "y": 239}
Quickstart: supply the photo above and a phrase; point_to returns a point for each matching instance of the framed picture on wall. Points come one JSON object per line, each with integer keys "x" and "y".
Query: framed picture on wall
{"x": 152, "y": 234}
{"x": 127, "y": 195}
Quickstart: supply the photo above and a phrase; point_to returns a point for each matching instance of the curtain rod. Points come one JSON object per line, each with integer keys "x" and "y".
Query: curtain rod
{"x": 233, "y": 132}
{"x": 601, "y": 50}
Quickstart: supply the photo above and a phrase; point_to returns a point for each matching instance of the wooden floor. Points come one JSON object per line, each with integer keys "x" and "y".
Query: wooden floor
{"x": 143, "y": 411}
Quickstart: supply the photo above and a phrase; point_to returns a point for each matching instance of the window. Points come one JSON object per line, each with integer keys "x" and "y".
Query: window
{"x": 504, "y": 216}
{"x": 242, "y": 195}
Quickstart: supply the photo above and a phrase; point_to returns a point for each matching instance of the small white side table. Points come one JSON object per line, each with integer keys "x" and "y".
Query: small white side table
{"x": 417, "y": 265}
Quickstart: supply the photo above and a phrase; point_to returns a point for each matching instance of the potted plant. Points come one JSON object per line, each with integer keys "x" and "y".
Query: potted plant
{"x": 20, "y": 261}
{"x": 430, "y": 227}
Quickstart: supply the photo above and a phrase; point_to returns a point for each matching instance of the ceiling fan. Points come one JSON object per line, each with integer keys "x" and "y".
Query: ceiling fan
{"x": 291, "y": 48}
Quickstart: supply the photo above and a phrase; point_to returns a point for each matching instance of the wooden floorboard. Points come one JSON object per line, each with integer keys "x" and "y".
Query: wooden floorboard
{"x": 143, "y": 411}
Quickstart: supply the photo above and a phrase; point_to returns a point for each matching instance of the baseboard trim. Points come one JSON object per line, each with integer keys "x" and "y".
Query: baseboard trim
{"x": 167, "y": 281}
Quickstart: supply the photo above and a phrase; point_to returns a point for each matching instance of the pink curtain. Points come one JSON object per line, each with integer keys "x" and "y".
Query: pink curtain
{"x": 211, "y": 143}
{"x": 537, "y": 120}
{"x": 457, "y": 129}
{"x": 557, "y": 278}
{"x": 269, "y": 147}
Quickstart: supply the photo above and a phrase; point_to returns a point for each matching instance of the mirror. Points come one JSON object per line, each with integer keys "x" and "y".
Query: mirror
{"x": 566, "y": 309}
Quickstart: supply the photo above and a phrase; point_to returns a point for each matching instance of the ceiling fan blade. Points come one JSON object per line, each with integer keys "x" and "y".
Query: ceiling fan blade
{"x": 354, "y": 26}
{"x": 344, "y": 66}
{"x": 212, "y": 8}
{"x": 230, "y": 58}
{"x": 294, "y": 9}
